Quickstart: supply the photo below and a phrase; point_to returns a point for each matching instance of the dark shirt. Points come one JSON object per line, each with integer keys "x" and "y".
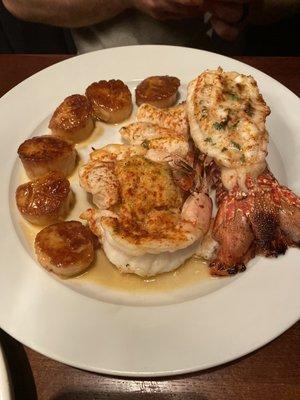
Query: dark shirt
{"x": 24, "y": 37}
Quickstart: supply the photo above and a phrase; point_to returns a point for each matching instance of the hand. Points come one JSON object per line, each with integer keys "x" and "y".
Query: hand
{"x": 169, "y": 9}
{"x": 228, "y": 17}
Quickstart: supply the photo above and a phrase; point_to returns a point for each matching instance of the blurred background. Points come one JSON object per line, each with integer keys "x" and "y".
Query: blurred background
{"x": 237, "y": 27}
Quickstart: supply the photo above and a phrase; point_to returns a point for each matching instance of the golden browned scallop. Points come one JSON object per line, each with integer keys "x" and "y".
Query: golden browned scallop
{"x": 65, "y": 248}
{"x": 111, "y": 100}
{"x": 45, "y": 200}
{"x": 159, "y": 91}
{"x": 42, "y": 154}
{"x": 73, "y": 120}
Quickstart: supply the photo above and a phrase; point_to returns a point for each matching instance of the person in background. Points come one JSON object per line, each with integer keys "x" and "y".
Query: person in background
{"x": 100, "y": 24}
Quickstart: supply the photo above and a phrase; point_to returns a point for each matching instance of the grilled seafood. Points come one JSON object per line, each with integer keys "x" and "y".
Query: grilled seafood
{"x": 45, "y": 200}
{"x": 173, "y": 118}
{"x": 65, "y": 248}
{"x": 164, "y": 144}
{"x": 98, "y": 177}
{"x": 159, "y": 91}
{"x": 151, "y": 195}
{"x": 159, "y": 142}
{"x": 256, "y": 215}
{"x": 265, "y": 220}
{"x": 227, "y": 117}
{"x": 110, "y": 100}
{"x": 137, "y": 132}
{"x": 42, "y": 154}
{"x": 146, "y": 223}
{"x": 72, "y": 120}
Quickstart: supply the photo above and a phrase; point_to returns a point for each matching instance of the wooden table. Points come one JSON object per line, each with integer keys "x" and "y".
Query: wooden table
{"x": 272, "y": 372}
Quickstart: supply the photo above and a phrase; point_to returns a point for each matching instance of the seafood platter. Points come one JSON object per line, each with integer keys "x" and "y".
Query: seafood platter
{"x": 152, "y": 211}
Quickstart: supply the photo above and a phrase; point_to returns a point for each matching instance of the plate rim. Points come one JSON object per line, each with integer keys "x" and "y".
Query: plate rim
{"x": 139, "y": 373}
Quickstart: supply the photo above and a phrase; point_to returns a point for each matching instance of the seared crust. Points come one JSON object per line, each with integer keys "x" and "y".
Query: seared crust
{"x": 173, "y": 118}
{"x": 65, "y": 248}
{"x": 110, "y": 100}
{"x": 265, "y": 221}
{"x": 227, "y": 116}
{"x": 159, "y": 91}
{"x": 42, "y": 148}
{"x": 45, "y": 200}
{"x": 42, "y": 154}
{"x": 72, "y": 120}
{"x": 149, "y": 206}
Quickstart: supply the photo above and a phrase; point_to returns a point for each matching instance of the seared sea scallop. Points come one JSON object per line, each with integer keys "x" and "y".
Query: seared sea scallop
{"x": 72, "y": 120}
{"x": 42, "y": 154}
{"x": 65, "y": 248}
{"x": 159, "y": 91}
{"x": 110, "y": 100}
{"x": 45, "y": 200}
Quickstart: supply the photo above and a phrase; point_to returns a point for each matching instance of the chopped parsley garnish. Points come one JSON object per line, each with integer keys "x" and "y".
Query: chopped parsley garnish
{"x": 208, "y": 140}
{"x": 249, "y": 110}
{"x": 233, "y": 96}
{"x": 224, "y": 149}
{"x": 236, "y": 145}
{"x": 243, "y": 158}
{"x": 220, "y": 125}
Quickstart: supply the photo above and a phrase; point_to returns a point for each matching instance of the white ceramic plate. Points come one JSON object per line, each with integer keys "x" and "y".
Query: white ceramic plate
{"x": 5, "y": 392}
{"x": 146, "y": 335}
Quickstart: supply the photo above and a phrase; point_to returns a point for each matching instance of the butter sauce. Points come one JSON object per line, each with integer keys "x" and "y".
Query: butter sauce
{"x": 94, "y": 137}
{"x": 104, "y": 273}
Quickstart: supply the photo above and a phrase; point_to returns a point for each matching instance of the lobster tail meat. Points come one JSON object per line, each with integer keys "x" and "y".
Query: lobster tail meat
{"x": 264, "y": 221}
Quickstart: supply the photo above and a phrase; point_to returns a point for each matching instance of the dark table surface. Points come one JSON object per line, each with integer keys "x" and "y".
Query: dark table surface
{"x": 273, "y": 372}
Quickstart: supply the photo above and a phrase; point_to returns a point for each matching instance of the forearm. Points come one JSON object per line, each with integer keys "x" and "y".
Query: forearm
{"x": 66, "y": 13}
